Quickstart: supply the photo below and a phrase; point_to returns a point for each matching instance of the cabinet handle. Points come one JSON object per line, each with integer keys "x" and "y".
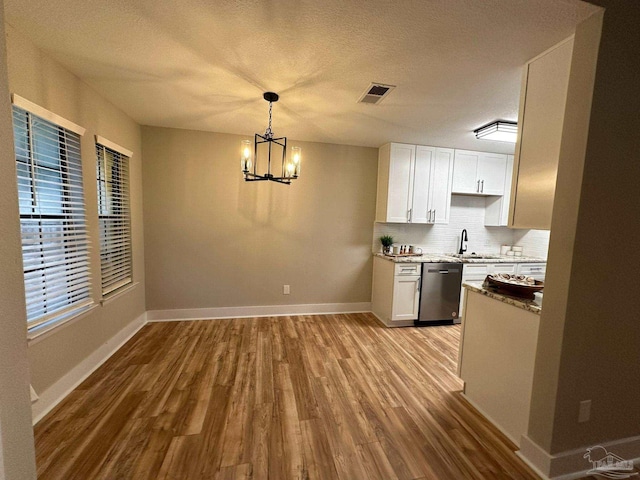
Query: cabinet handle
{"x": 428, "y": 216}
{"x": 478, "y": 186}
{"x": 433, "y": 220}
{"x": 417, "y": 285}
{"x": 409, "y": 215}
{"x": 482, "y": 187}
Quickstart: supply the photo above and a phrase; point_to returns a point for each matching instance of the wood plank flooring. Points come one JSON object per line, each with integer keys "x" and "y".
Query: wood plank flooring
{"x": 301, "y": 397}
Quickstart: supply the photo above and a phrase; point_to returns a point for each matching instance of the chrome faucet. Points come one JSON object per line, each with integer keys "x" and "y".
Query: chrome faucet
{"x": 463, "y": 238}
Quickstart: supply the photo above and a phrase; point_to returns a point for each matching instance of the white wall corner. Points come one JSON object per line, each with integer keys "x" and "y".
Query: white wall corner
{"x": 571, "y": 464}
{"x": 53, "y": 395}
{"x": 257, "y": 311}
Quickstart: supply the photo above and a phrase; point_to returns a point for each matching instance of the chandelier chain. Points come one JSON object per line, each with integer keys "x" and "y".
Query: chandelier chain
{"x": 269, "y": 132}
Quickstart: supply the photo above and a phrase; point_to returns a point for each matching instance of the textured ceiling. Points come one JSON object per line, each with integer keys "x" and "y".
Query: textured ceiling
{"x": 202, "y": 64}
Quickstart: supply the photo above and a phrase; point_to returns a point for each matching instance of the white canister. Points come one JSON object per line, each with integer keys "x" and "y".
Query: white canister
{"x": 517, "y": 248}
{"x": 395, "y": 249}
{"x": 504, "y": 249}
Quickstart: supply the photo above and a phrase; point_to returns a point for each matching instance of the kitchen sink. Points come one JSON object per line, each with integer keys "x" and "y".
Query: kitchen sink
{"x": 479, "y": 256}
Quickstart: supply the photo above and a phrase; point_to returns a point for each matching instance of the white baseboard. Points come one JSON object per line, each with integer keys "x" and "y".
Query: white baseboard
{"x": 571, "y": 464}
{"x": 262, "y": 311}
{"x": 53, "y": 395}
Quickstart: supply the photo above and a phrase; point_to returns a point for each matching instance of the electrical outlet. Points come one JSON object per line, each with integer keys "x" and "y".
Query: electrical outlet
{"x": 584, "y": 411}
{"x": 286, "y": 290}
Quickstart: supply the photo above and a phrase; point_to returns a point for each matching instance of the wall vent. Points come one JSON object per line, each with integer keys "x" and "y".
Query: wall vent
{"x": 375, "y": 93}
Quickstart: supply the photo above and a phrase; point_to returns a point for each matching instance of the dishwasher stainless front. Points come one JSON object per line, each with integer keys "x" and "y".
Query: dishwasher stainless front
{"x": 439, "y": 294}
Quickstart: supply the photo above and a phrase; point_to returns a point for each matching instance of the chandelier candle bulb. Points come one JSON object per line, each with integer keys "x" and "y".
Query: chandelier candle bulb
{"x": 296, "y": 153}
{"x": 246, "y": 156}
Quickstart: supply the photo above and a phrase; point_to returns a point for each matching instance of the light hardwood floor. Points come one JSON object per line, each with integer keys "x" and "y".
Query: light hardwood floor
{"x": 311, "y": 397}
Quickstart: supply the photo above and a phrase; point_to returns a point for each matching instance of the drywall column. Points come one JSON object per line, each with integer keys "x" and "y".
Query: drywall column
{"x": 589, "y": 336}
{"x": 17, "y": 458}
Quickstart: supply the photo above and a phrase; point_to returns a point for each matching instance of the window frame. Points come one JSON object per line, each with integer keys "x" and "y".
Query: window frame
{"x": 68, "y": 268}
{"x": 120, "y": 201}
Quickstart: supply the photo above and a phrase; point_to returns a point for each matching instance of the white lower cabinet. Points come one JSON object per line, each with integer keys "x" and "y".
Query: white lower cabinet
{"x": 535, "y": 270}
{"x": 406, "y": 297}
{"x": 395, "y": 295}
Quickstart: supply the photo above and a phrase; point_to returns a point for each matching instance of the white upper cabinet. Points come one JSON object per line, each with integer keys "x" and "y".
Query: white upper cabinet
{"x": 414, "y": 184}
{"x": 442, "y": 176}
{"x": 421, "y": 184}
{"x": 400, "y": 164}
{"x": 479, "y": 173}
{"x": 541, "y": 119}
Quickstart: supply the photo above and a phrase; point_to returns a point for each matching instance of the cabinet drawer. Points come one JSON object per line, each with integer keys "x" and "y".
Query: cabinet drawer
{"x": 509, "y": 268}
{"x": 408, "y": 268}
{"x": 532, "y": 268}
{"x": 476, "y": 271}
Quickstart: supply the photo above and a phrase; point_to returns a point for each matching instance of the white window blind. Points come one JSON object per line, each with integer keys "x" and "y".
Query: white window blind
{"x": 114, "y": 216}
{"x": 55, "y": 241}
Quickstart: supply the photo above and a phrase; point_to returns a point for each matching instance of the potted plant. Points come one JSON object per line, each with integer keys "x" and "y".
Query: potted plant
{"x": 386, "y": 241}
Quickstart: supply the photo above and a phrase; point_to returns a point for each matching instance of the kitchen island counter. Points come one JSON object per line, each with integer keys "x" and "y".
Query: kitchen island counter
{"x": 525, "y": 304}
{"x": 447, "y": 258}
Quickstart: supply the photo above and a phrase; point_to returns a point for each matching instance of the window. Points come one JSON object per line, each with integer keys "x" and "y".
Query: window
{"x": 113, "y": 212}
{"x": 52, "y": 217}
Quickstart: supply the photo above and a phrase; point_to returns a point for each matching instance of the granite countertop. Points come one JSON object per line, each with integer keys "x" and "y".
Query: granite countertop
{"x": 444, "y": 258}
{"x": 522, "y": 303}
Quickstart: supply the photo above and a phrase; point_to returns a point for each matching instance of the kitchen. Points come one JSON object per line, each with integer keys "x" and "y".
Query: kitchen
{"x": 169, "y": 288}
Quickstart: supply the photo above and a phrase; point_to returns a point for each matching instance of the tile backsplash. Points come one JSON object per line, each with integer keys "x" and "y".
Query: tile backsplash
{"x": 466, "y": 212}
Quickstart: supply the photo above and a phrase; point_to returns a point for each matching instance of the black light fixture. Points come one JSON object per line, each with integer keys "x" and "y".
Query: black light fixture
{"x": 500, "y": 130}
{"x": 249, "y": 160}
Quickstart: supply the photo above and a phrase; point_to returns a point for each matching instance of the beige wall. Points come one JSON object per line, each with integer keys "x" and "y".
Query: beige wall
{"x": 590, "y": 335}
{"x": 38, "y": 78}
{"x": 213, "y": 240}
{"x": 17, "y": 459}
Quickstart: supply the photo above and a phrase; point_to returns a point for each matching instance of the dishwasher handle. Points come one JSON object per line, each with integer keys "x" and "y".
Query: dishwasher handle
{"x": 443, "y": 271}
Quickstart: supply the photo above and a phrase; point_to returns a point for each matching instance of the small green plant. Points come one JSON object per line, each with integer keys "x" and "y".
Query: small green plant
{"x": 386, "y": 241}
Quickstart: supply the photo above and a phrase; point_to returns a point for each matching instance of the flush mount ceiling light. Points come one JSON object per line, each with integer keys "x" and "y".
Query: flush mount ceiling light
{"x": 264, "y": 146}
{"x": 500, "y": 130}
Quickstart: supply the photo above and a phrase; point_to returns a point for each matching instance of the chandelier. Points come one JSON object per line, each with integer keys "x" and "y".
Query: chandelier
{"x": 266, "y": 145}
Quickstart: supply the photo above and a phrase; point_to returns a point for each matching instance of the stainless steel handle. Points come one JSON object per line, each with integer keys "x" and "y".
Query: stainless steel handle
{"x": 428, "y": 216}
{"x": 418, "y": 285}
{"x": 482, "y": 187}
{"x": 409, "y": 215}
{"x": 478, "y": 186}
{"x": 433, "y": 220}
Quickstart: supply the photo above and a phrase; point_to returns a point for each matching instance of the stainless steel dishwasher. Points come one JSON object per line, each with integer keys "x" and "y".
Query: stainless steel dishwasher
{"x": 439, "y": 294}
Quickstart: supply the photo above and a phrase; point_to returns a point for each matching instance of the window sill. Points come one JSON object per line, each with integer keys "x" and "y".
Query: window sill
{"x": 118, "y": 293}
{"x": 45, "y": 332}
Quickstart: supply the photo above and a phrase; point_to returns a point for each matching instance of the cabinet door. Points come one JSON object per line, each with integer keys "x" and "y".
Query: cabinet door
{"x": 421, "y": 184}
{"x": 491, "y": 171}
{"x": 400, "y": 189}
{"x": 440, "y": 197}
{"x": 506, "y": 197}
{"x": 406, "y": 297}
{"x": 542, "y": 106}
{"x": 465, "y": 166}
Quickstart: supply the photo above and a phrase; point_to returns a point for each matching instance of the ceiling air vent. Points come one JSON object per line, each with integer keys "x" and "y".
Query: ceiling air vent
{"x": 375, "y": 93}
